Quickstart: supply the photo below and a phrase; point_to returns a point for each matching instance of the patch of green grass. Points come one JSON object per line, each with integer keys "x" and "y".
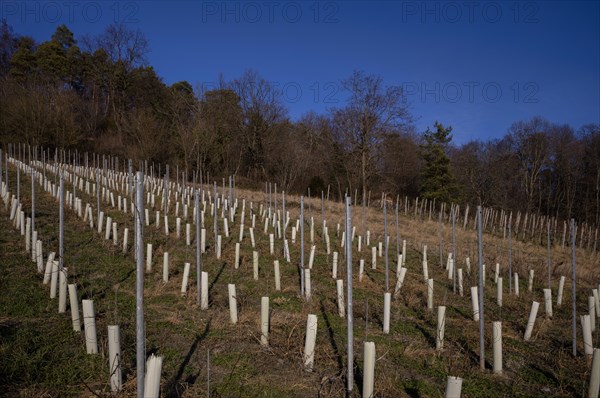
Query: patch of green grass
{"x": 420, "y": 388}
{"x": 38, "y": 347}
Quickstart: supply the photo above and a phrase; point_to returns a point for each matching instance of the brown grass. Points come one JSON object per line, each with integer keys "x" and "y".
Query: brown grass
{"x": 407, "y": 362}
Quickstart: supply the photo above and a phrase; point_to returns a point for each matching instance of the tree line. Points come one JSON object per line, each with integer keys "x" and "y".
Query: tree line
{"x": 99, "y": 93}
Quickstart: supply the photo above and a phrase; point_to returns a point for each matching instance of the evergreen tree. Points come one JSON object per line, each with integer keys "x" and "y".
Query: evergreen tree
{"x": 23, "y": 62}
{"x": 63, "y": 37}
{"x": 8, "y": 46}
{"x": 437, "y": 179}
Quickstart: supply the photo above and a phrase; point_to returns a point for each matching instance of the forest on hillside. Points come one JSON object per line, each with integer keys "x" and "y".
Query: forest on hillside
{"x": 99, "y": 93}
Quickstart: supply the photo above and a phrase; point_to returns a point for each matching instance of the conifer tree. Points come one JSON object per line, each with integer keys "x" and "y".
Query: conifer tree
{"x": 437, "y": 179}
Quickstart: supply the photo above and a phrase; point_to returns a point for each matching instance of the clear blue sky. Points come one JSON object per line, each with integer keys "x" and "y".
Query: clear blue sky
{"x": 477, "y": 66}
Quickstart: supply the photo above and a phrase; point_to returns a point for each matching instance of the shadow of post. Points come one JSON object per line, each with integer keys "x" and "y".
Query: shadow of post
{"x": 172, "y": 388}
{"x": 331, "y": 335}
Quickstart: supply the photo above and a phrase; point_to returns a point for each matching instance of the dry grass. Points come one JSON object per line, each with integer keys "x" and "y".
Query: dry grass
{"x": 407, "y": 362}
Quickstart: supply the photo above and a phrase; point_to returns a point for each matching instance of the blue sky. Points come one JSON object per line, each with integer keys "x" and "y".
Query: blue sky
{"x": 475, "y": 65}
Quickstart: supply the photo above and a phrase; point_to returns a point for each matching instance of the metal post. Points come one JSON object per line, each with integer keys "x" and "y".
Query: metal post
{"x": 364, "y": 204}
{"x": 385, "y": 234}
{"x": 139, "y": 282}
{"x": 349, "y": 315}
{"x": 166, "y": 191}
{"x": 198, "y": 248}
{"x": 510, "y": 277}
{"x": 440, "y": 238}
{"x": 98, "y": 194}
{"x": 454, "y": 249}
{"x": 309, "y": 208}
{"x": 223, "y": 194}
{"x": 32, "y": 202}
{"x": 283, "y": 217}
{"x": 480, "y": 255}
{"x": 397, "y": 231}
{"x": 548, "y": 233}
{"x": 74, "y": 176}
{"x": 302, "y": 245}
{"x": 6, "y": 170}
{"x": 574, "y": 287}
{"x": 18, "y": 181}
{"x": 130, "y": 177}
{"x": 323, "y": 214}
{"x": 61, "y": 223}
{"x": 215, "y": 227}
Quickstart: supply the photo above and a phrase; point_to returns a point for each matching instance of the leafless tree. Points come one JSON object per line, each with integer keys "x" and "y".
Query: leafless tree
{"x": 373, "y": 110}
{"x": 530, "y": 140}
{"x": 262, "y": 108}
{"x": 121, "y": 44}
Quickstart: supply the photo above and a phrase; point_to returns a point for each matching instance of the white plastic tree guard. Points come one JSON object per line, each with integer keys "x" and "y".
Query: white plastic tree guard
{"x": 89, "y": 323}
{"x": 594, "y": 388}
{"x": 387, "y": 299}
{"x": 152, "y": 379}
{"x": 441, "y": 325}
{"x": 339, "y": 284}
{"x": 309, "y": 342}
{"x": 548, "y": 302}
{"x": 264, "y": 321}
{"x": 255, "y": 265}
{"x": 497, "y": 346}
{"x": 369, "y": 369}
{"x": 277, "y": 275}
{"x": 149, "y": 257}
{"x": 62, "y": 291}
{"x": 114, "y": 357}
{"x": 74, "y": 304}
{"x": 204, "y": 290}
{"x": 586, "y": 328}
{"x": 430, "y": 294}
{"x": 186, "y": 277}
{"x": 475, "y": 302}
{"x": 499, "y": 282}
{"x": 453, "y": 387}
{"x": 165, "y": 267}
{"x": 233, "y": 314}
{"x": 532, "y": 315}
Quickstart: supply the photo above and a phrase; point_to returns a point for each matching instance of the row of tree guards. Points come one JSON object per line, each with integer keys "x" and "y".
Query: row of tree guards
{"x": 135, "y": 191}
{"x": 499, "y": 222}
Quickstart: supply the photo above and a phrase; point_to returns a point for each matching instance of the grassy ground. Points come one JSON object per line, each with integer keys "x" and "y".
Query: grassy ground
{"x": 203, "y": 352}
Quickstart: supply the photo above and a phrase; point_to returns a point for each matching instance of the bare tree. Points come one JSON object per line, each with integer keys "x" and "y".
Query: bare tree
{"x": 373, "y": 110}
{"x": 262, "y": 108}
{"x": 566, "y": 152}
{"x": 123, "y": 45}
{"x": 531, "y": 145}
{"x": 591, "y": 170}
{"x": 184, "y": 110}
{"x": 222, "y": 118}
{"x": 401, "y": 164}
